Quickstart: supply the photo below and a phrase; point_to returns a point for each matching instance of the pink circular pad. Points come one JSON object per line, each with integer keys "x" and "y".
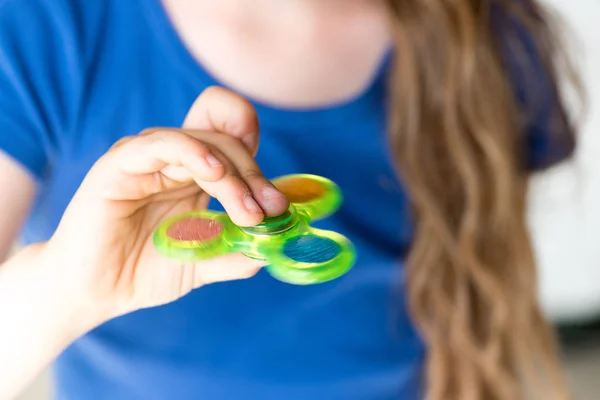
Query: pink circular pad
{"x": 195, "y": 229}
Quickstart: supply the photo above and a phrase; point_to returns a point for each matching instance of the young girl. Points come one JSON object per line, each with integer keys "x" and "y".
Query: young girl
{"x": 429, "y": 114}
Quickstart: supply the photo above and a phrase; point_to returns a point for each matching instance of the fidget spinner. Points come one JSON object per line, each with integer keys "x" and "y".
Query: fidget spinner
{"x": 293, "y": 250}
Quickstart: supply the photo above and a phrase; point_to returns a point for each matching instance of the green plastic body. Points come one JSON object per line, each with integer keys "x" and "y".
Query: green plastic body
{"x": 267, "y": 240}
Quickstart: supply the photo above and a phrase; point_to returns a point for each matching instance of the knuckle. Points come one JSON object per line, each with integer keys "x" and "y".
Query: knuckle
{"x": 157, "y": 133}
{"x": 242, "y": 121}
{"x": 214, "y": 90}
{"x": 229, "y": 141}
{"x": 235, "y": 185}
{"x": 148, "y": 131}
{"x": 122, "y": 141}
{"x": 198, "y": 148}
{"x": 165, "y": 134}
{"x": 252, "y": 174}
{"x": 156, "y": 145}
{"x": 183, "y": 142}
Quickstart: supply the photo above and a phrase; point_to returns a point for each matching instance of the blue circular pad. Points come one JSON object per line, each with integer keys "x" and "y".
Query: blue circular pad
{"x": 311, "y": 249}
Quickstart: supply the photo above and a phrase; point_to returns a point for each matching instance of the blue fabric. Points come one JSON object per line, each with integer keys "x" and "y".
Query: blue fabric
{"x": 75, "y": 76}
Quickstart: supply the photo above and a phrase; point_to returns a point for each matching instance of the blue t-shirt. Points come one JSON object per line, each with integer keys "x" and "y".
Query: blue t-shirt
{"x": 75, "y": 76}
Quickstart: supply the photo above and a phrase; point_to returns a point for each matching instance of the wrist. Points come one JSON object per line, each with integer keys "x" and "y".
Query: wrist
{"x": 38, "y": 317}
{"x": 62, "y": 295}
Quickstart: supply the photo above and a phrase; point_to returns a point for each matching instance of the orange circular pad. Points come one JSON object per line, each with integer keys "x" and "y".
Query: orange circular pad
{"x": 300, "y": 190}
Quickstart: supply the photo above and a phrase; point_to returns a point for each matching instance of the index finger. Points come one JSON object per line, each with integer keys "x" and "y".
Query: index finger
{"x": 221, "y": 110}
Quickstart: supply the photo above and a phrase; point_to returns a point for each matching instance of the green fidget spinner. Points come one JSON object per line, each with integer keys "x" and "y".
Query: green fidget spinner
{"x": 293, "y": 251}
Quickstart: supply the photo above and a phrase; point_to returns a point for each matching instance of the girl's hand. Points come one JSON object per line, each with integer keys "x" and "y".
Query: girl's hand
{"x": 103, "y": 252}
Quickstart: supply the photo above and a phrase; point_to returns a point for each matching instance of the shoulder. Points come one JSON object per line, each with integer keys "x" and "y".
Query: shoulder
{"x": 54, "y": 29}
{"x": 54, "y": 43}
{"x": 44, "y": 46}
{"x": 529, "y": 50}
{"x": 64, "y": 63}
{"x": 33, "y": 37}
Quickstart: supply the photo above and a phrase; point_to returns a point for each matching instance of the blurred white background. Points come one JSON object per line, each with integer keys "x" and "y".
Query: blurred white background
{"x": 565, "y": 217}
{"x": 565, "y": 202}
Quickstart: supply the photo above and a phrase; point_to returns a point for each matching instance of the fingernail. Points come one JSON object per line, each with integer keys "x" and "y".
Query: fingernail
{"x": 251, "y": 205}
{"x": 269, "y": 192}
{"x": 273, "y": 200}
{"x": 213, "y": 161}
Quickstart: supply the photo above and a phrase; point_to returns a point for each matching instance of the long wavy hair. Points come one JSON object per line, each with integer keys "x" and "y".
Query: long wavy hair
{"x": 459, "y": 133}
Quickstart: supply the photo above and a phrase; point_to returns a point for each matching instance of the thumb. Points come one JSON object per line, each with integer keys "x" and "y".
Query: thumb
{"x": 229, "y": 267}
{"x": 221, "y": 110}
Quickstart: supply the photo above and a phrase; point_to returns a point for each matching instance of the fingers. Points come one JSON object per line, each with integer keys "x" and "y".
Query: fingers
{"x": 220, "y": 164}
{"x": 155, "y": 150}
{"x": 220, "y": 110}
{"x": 257, "y": 189}
{"x": 215, "y": 150}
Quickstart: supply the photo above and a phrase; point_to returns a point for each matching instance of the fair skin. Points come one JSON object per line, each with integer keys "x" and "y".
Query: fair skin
{"x": 53, "y": 292}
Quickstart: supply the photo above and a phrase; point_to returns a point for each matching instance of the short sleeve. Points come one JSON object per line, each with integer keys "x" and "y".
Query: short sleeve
{"x": 36, "y": 81}
{"x": 547, "y": 134}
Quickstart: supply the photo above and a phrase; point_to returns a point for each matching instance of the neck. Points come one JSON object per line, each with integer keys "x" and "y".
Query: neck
{"x": 301, "y": 53}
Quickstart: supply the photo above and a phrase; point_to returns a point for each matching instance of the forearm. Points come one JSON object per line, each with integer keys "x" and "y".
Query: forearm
{"x": 37, "y": 320}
